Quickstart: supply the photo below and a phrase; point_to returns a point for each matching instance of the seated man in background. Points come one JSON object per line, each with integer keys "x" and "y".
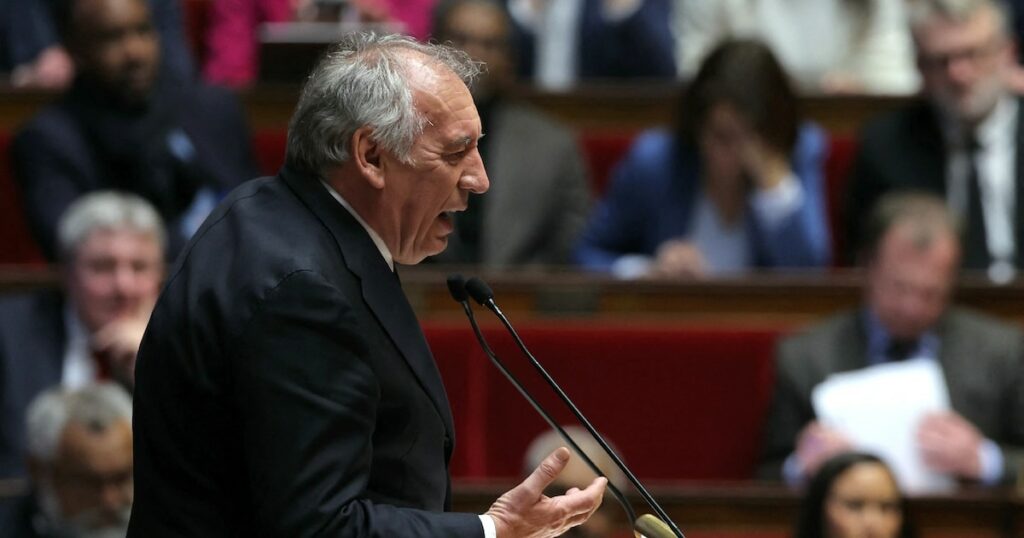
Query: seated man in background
{"x": 737, "y": 186}
{"x": 911, "y": 255}
{"x": 32, "y": 53}
{"x": 123, "y": 126}
{"x": 963, "y": 141}
{"x": 80, "y": 456}
{"x": 540, "y": 195}
{"x": 112, "y": 265}
{"x": 609, "y": 520}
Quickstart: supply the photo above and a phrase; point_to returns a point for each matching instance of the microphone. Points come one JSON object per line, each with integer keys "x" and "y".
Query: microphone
{"x": 482, "y": 294}
{"x": 457, "y": 289}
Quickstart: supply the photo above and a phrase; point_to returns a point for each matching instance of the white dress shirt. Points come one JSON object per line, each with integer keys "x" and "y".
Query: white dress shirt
{"x": 997, "y": 164}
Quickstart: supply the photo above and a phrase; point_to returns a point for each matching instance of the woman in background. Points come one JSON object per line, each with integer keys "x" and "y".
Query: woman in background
{"x": 737, "y": 186}
{"x": 853, "y": 495}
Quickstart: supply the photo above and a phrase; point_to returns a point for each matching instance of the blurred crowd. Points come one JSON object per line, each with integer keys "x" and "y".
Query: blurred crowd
{"x": 148, "y": 134}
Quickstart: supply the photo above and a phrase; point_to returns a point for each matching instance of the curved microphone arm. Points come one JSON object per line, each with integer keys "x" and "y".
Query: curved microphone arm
{"x": 482, "y": 294}
{"x": 454, "y": 285}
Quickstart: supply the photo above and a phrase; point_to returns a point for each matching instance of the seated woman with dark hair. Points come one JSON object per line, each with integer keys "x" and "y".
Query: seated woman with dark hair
{"x": 853, "y": 495}
{"x": 737, "y": 186}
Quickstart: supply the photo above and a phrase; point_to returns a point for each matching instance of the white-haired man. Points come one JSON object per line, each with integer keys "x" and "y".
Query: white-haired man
{"x": 112, "y": 251}
{"x": 284, "y": 387}
{"x": 80, "y": 457}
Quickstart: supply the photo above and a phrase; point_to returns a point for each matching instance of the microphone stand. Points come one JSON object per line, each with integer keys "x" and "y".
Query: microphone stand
{"x": 456, "y": 286}
{"x": 482, "y": 294}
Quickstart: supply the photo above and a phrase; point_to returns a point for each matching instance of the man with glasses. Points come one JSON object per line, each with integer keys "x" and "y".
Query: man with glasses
{"x": 961, "y": 141}
{"x": 80, "y": 453}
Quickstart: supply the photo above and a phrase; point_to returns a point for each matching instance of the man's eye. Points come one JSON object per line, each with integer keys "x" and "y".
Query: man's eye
{"x": 458, "y": 155}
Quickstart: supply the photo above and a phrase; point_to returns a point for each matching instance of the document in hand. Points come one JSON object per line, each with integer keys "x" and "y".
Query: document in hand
{"x": 879, "y": 408}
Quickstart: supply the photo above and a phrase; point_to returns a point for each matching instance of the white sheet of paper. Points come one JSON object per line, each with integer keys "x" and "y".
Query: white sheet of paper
{"x": 879, "y": 409}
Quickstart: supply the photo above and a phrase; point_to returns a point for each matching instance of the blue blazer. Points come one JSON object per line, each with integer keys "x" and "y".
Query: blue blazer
{"x": 651, "y": 198}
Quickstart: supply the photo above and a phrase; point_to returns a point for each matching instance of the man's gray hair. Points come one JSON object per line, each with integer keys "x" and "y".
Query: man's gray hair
{"x": 363, "y": 81}
{"x": 107, "y": 210}
{"x": 920, "y": 12}
{"x": 95, "y": 407}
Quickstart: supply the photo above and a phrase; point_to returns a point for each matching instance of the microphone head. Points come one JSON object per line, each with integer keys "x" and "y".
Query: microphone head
{"x": 479, "y": 291}
{"x": 652, "y": 527}
{"x": 457, "y": 287}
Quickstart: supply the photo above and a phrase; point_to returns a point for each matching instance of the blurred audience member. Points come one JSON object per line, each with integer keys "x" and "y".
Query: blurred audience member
{"x": 32, "y": 51}
{"x": 563, "y": 41}
{"x": 962, "y": 141}
{"x": 232, "y": 35}
{"x": 830, "y": 46}
{"x": 853, "y": 495}
{"x": 911, "y": 254}
{"x": 539, "y": 196}
{"x": 737, "y": 186}
{"x": 112, "y": 265}
{"x": 608, "y": 521}
{"x": 122, "y": 126}
{"x": 80, "y": 457}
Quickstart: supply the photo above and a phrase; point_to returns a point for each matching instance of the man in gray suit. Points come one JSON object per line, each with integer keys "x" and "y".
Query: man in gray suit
{"x": 911, "y": 257}
{"x": 539, "y": 197}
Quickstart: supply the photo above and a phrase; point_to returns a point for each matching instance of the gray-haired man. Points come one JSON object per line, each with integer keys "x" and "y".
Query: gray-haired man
{"x": 284, "y": 387}
{"x": 112, "y": 264}
{"x": 80, "y": 456}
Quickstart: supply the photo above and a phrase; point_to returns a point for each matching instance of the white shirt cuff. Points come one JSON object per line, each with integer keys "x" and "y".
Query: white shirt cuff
{"x": 991, "y": 457}
{"x": 631, "y": 266}
{"x": 776, "y": 204}
{"x": 489, "y": 529}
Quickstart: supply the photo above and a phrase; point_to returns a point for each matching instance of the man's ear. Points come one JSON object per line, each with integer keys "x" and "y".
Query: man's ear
{"x": 366, "y": 155}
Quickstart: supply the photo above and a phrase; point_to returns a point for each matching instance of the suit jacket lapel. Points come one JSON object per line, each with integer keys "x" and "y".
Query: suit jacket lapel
{"x": 381, "y": 288}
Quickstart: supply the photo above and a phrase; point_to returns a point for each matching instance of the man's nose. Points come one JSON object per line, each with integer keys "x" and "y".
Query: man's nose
{"x": 475, "y": 178}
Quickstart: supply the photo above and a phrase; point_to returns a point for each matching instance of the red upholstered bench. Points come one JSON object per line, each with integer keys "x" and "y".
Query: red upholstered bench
{"x": 681, "y": 402}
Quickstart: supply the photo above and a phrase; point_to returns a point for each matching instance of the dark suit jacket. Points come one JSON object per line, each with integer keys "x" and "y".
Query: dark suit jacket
{"x": 284, "y": 387}
{"x": 640, "y": 46}
{"x": 982, "y": 359}
{"x": 85, "y": 143}
{"x": 905, "y": 150}
{"x": 32, "y": 340}
{"x": 539, "y": 196}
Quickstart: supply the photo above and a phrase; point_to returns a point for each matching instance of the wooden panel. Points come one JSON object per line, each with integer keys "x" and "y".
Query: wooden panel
{"x": 735, "y": 509}
{"x": 595, "y": 108}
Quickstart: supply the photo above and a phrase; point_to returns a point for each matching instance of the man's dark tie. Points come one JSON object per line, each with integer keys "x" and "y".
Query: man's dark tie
{"x": 899, "y": 350}
{"x": 976, "y": 254}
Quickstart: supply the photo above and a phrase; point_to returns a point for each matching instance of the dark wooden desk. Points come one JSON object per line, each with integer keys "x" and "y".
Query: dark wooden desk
{"x": 754, "y": 300}
{"x": 762, "y": 299}
{"x": 765, "y": 510}
{"x": 618, "y": 107}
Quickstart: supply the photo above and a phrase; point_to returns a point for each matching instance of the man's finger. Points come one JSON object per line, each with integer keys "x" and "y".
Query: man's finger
{"x": 584, "y": 502}
{"x": 547, "y": 471}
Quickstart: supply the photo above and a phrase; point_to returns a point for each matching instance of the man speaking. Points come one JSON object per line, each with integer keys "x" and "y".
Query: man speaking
{"x": 284, "y": 387}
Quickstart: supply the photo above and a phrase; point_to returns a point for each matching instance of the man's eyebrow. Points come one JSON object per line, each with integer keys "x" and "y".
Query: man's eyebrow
{"x": 462, "y": 142}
